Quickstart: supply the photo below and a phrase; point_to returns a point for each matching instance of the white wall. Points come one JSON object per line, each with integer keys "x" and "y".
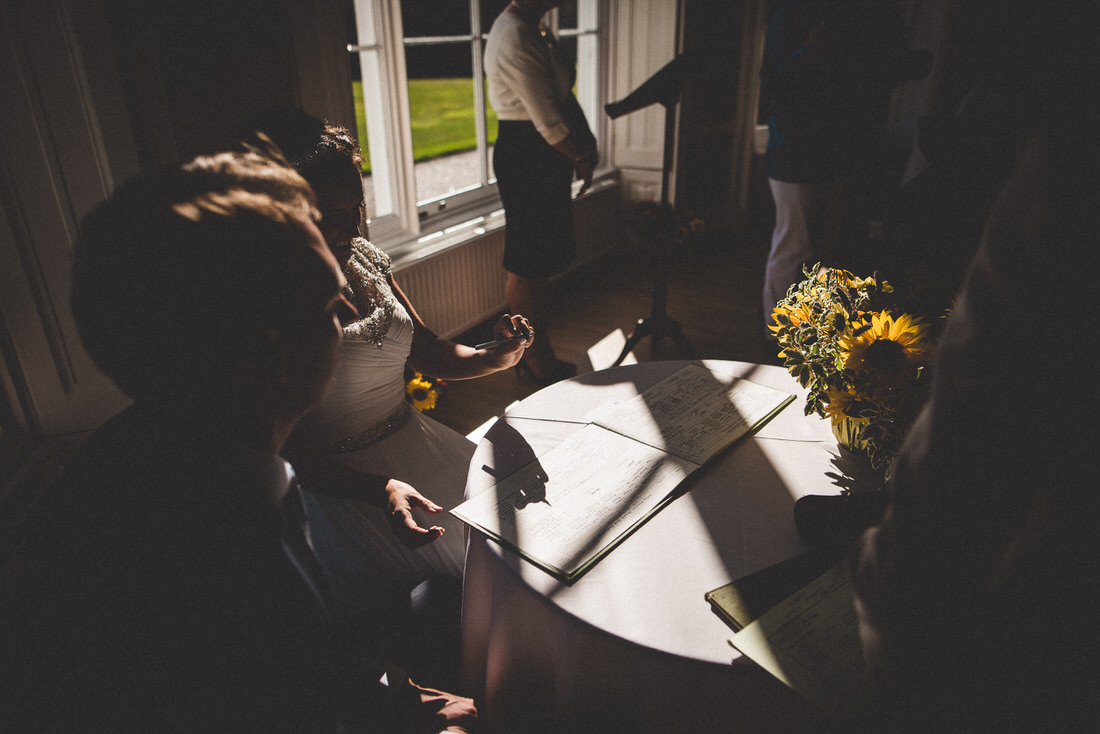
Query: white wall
{"x": 643, "y": 38}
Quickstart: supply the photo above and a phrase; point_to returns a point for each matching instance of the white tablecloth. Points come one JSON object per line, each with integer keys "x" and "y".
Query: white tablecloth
{"x": 633, "y": 643}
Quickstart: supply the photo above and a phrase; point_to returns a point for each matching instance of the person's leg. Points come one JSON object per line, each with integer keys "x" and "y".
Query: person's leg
{"x": 790, "y": 241}
{"x": 535, "y": 189}
{"x": 527, "y": 296}
{"x": 807, "y": 224}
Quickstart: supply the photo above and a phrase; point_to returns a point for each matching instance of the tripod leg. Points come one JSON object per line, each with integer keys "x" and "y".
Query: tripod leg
{"x": 641, "y": 331}
{"x": 673, "y": 330}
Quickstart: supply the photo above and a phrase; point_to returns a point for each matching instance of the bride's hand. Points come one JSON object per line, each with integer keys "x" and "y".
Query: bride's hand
{"x": 402, "y": 500}
{"x": 506, "y": 355}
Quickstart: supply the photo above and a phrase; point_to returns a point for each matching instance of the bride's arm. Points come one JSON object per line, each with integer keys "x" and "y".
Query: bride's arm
{"x": 437, "y": 357}
{"x": 394, "y": 497}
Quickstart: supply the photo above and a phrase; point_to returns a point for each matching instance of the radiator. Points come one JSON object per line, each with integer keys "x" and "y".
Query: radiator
{"x": 461, "y": 286}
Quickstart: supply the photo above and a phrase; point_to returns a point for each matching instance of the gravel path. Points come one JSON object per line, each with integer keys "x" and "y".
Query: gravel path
{"x": 437, "y": 177}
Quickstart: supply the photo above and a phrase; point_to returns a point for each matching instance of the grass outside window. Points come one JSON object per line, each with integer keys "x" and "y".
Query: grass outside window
{"x": 442, "y": 116}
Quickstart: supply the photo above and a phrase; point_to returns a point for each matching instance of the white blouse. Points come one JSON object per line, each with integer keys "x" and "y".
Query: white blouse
{"x": 529, "y": 78}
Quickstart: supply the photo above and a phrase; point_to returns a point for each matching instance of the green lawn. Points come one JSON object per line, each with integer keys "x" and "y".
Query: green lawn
{"x": 442, "y": 112}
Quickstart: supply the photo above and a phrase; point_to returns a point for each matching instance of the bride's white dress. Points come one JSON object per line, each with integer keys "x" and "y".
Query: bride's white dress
{"x": 366, "y": 424}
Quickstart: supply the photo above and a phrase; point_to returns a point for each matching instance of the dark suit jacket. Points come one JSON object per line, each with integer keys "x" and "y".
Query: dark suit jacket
{"x": 152, "y": 592}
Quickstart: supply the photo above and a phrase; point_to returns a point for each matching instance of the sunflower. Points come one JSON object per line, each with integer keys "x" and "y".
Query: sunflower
{"x": 887, "y": 347}
{"x": 795, "y": 315}
{"x": 421, "y": 392}
{"x": 846, "y": 404}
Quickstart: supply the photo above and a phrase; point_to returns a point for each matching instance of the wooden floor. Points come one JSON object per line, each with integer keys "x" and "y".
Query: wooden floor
{"x": 713, "y": 294}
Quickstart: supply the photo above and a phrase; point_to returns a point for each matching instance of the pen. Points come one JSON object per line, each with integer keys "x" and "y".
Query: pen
{"x": 498, "y": 342}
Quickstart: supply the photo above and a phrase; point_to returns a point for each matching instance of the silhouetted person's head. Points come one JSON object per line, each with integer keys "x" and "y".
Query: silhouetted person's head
{"x": 210, "y": 283}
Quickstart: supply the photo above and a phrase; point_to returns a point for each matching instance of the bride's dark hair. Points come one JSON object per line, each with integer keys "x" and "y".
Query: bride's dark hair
{"x": 312, "y": 146}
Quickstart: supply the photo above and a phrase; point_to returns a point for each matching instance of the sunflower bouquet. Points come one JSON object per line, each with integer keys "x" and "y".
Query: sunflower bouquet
{"x": 861, "y": 354}
{"x": 423, "y": 392}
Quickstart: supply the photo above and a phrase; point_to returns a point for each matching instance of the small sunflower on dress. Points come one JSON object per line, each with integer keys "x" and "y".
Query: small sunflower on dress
{"x": 863, "y": 354}
{"x": 424, "y": 392}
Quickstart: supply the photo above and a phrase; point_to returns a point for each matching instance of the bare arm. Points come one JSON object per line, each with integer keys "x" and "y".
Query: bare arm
{"x": 584, "y": 159}
{"x": 448, "y": 360}
{"x": 395, "y": 498}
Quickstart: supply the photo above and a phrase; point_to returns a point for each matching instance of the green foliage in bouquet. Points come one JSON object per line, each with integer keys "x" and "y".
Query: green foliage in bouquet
{"x": 863, "y": 354}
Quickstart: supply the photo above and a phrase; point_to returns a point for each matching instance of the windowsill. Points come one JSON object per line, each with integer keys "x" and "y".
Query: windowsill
{"x": 469, "y": 224}
{"x": 404, "y": 252}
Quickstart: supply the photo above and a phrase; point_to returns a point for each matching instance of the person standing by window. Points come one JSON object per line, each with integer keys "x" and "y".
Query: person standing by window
{"x": 543, "y": 140}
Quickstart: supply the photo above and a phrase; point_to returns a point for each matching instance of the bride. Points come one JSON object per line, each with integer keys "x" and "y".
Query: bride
{"x": 364, "y": 447}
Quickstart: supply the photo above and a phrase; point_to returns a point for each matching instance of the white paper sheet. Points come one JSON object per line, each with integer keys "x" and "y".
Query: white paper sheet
{"x": 694, "y": 413}
{"x": 564, "y": 509}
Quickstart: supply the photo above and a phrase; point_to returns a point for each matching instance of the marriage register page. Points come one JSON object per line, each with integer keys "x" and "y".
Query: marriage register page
{"x": 567, "y": 509}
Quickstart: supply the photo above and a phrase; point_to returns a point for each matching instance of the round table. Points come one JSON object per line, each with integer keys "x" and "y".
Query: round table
{"x": 633, "y": 643}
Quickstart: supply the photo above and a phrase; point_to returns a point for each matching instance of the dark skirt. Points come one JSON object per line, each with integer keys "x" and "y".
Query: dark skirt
{"x": 535, "y": 183}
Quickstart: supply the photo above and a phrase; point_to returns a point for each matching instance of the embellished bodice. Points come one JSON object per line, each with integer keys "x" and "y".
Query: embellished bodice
{"x": 367, "y": 398}
{"x": 367, "y": 272}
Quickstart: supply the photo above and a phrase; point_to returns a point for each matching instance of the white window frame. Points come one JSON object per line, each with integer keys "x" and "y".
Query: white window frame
{"x": 381, "y": 51}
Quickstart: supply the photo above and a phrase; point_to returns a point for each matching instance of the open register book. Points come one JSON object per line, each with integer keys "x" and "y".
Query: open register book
{"x": 570, "y": 507}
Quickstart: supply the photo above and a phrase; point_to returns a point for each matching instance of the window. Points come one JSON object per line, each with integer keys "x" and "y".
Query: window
{"x": 425, "y": 123}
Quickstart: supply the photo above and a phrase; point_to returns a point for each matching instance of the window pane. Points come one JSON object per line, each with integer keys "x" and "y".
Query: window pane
{"x": 421, "y": 18}
{"x": 491, "y": 122}
{"x": 491, "y": 128}
{"x": 361, "y": 136}
{"x": 441, "y": 96}
{"x": 447, "y": 109}
{"x": 444, "y": 131}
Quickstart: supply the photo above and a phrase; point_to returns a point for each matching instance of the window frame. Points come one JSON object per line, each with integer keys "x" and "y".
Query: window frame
{"x": 409, "y": 225}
